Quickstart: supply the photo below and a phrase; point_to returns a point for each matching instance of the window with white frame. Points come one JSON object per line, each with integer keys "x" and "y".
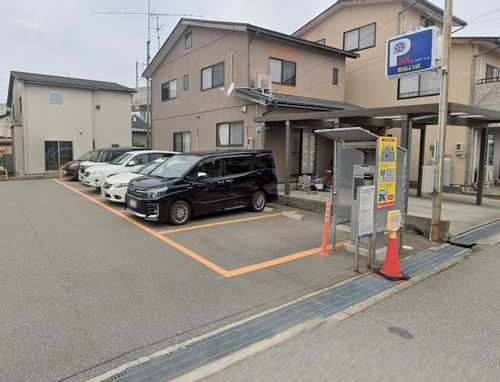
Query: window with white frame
{"x": 423, "y": 85}
{"x": 188, "y": 40}
{"x": 212, "y": 76}
{"x": 335, "y": 76}
{"x": 282, "y": 72}
{"x": 55, "y": 98}
{"x": 360, "y": 38}
{"x": 182, "y": 142}
{"x": 230, "y": 134}
{"x": 169, "y": 90}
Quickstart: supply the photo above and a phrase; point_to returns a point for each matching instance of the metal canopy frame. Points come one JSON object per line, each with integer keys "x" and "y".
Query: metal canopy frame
{"x": 404, "y": 117}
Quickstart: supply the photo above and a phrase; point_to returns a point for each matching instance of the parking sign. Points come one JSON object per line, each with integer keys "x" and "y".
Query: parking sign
{"x": 411, "y": 53}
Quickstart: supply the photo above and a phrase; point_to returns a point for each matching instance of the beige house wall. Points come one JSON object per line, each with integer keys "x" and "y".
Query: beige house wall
{"x": 367, "y": 85}
{"x": 314, "y": 69}
{"x": 199, "y": 112}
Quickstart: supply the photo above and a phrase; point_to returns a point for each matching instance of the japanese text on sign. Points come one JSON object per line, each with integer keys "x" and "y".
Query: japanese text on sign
{"x": 386, "y": 172}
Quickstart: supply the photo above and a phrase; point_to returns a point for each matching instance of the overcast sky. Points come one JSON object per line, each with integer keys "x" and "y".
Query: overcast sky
{"x": 63, "y": 37}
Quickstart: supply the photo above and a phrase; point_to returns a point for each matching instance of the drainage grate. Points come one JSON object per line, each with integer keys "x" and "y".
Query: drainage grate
{"x": 335, "y": 300}
{"x": 470, "y": 238}
{"x": 429, "y": 259}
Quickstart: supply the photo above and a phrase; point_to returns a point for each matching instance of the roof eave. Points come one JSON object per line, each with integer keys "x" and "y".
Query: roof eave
{"x": 296, "y": 40}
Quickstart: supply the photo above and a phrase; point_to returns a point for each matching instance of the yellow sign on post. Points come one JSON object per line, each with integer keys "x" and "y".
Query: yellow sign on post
{"x": 386, "y": 171}
{"x": 393, "y": 220}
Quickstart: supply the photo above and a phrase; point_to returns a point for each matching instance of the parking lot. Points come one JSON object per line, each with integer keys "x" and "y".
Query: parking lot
{"x": 86, "y": 286}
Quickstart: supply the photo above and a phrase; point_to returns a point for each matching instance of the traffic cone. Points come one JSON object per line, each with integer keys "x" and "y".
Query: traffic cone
{"x": 391, "y": 270}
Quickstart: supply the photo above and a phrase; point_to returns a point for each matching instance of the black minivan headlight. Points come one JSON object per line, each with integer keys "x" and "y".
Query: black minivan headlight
{"x": 155, "y": 193}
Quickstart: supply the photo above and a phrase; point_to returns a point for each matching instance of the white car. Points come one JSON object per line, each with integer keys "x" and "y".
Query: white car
{"x": 114, "y": 188}
{"x": 94, "y": 176}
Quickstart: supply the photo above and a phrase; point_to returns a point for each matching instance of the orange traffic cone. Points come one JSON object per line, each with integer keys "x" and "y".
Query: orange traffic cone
{"x": 391, "y": 270}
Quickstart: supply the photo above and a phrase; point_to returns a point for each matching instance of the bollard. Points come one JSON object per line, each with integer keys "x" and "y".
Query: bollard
{"x": 326, "y": 225}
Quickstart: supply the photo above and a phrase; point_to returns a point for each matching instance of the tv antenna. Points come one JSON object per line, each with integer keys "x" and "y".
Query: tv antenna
{"x": 150, "y": 15}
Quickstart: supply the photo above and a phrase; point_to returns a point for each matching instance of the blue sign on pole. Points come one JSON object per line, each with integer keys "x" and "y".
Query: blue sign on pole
{"x": 411, "y": 53}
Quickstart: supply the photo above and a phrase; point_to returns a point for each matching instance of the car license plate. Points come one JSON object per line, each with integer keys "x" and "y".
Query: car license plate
{"x": 132, "y": 203}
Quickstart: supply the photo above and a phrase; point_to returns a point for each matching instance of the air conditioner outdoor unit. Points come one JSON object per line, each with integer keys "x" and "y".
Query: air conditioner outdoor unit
{"x": 264, "y": 83}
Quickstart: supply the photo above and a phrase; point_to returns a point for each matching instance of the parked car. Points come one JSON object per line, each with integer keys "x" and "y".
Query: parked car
{"x": 104, "y": 155}
{"x": 114, "y": 188}
{"x": 72, "y": 168}
{"x": 94, "y": 176}
{"x": 199, "y": 183}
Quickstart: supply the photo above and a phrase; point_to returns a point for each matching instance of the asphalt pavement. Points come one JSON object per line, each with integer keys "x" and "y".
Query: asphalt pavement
{"x": 83, "y": 291}
{"x": 446, "y": 328}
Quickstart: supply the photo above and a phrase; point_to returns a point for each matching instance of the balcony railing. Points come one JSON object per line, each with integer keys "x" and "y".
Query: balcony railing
{"x": 488, "y": 80}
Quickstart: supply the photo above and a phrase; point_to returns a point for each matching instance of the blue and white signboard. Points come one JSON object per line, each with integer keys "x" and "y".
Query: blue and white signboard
{"x": 411, "y": 53}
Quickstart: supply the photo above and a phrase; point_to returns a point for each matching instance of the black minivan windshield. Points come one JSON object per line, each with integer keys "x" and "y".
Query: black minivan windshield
{"x": 147, "y": 168}
{"x": 176, "y": 166}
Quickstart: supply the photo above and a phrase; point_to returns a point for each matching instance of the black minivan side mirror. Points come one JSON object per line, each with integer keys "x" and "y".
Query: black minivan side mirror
{"x": 202, "y": 175}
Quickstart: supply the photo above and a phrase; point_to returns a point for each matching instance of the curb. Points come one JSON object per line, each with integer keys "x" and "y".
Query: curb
{"x": 223, "y": 363}
{"x": 257, "y": 347}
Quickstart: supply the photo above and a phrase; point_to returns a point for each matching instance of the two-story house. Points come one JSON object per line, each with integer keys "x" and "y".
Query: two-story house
{"x": 211, "y": 79}
{"x": 56, "y": 119}
{"x": 364, "y": 27}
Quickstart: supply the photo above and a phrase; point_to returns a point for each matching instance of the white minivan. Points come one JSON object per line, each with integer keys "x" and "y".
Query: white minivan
{"x": 114, "y": 187}
{"x": 94, "y": 176}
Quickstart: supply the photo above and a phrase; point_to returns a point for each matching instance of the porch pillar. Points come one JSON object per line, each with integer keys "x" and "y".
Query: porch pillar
{"x": 421, "y": 159}
{"x": 287, "y": 157}
{"x": 482, "y": 164}
{"x": 406, "y": 135}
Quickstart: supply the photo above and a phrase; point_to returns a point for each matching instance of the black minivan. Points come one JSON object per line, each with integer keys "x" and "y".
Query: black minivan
{"x": 199, "y": 183}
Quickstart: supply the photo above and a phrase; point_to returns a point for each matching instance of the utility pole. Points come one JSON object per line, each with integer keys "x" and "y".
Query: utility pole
{"x": 149, "y": 14}
{"x": 437, "y": 197}
{"x": 149, "y": 142}
{"x": 136, "y": 74}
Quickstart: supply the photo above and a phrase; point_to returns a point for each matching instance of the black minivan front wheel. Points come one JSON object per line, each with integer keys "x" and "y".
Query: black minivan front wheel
{"x": 258, "y": 201}
{"x": 180, "y": 212}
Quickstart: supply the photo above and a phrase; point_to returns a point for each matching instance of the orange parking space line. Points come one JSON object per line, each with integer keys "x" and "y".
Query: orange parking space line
{"x": 214, "y": 267}
{"x": 209, "y": 225}
{"x": 280, "y": 260}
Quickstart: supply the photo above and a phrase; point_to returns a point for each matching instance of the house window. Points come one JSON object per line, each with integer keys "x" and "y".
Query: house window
{"x": 492, "y": 73}
{"x": 423, "y": 85}
{"x": 188, "y": 40}
{"x": 335, "y": 76}
{"x": 230, "y": 134}
{"x": 182, "y": 142}
{"x": 169, "y": 90}
{"x": 282, "y": 72}
{"x": 212, "y": 76}
{"x": 55, "y": 98}
{"x": 360, "y": 38}
{"x": 57, "y": 154}
{"x": 185, "y": 81}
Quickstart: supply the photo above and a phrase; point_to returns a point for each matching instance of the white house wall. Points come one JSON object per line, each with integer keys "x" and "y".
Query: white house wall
{"x": 112, "y": 123}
